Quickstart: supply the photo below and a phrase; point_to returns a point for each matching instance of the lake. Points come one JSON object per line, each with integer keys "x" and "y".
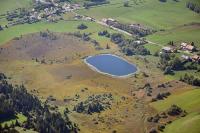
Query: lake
{"x": 111, "y": 65}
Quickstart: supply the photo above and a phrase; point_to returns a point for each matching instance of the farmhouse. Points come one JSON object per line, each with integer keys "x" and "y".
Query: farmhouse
{"x": 140, "y": 42}
{"x": 66, "y": 7}
{"x": 183, "y": 45}
{"x": 185, "y": 57}
{"x": 89, "y": 18}
{"x": 196, "y": 58}
{"x": 167, "y": 49}
{"x": 190, "y": 48}
{"x": 75, "y": 6}
{"x": 109, "y": 21}
{"x": 187, "y": 47}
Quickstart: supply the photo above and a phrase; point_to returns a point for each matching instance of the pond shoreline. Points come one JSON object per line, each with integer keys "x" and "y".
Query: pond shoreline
{"x": 104, "y": 73}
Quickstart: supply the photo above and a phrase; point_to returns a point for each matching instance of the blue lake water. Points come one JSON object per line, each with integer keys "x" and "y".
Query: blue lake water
{"x": 111, "y": 64}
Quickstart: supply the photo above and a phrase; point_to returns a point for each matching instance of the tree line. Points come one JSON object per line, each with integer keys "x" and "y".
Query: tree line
{"x": 190, "y": 79}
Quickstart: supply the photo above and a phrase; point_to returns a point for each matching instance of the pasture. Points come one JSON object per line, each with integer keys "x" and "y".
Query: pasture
{"x": 61, "y": 26}
{"x": 188, "y": 33}
{"x": 189, "y": 101}
{"x": 152, "y": 13}
{"x": 9, "y": 5}
{"x": 188, "y": 124}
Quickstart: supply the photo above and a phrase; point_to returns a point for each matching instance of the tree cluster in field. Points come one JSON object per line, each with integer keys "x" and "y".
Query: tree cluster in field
{"x": 168, "y": 63}
{"x": 86, "y": 37}
{"x": 94, "y": 104}
{"x": 194, "y": 7}
{"x": 82, "y": 27}
{"x": 148, "y": 89}
{"x": 190, "y": 79}
{"x": 16, "y": 99}
{"x": 161, "y": 96}
{"x": 47, "y": 34}
{"x": 173, "y": 111}
{"x": 104, "y": 33}
{"x": 192, "y": 66}
{"x": 126, "y": 4}
{"x": 129, "y": 46}
{"x": 95, "y": 3}
{"x": 1, "y": 28}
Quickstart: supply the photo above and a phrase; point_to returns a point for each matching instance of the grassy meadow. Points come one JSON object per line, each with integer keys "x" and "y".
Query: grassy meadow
{"x": 188, "y": 101}
{"x": 8, "y": 5}
{"x": 180, "y": 34}
{"x": 152, "y": 13}
{"x": 188, "y": 124}
{"x": 61, "y": 26}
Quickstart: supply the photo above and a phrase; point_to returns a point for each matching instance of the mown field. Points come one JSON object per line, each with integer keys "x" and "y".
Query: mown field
{"x": 188, "y": 124}
{"x": 61, "y": 26}
{"x": 189, "y": 33}
{"x": 8, "y": 5}
{"x": 188, "y": 101}
{"x": 159, "y": 15}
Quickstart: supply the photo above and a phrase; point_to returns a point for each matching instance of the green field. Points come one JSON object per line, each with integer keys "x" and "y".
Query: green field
{"x": 188, "y": 124}
{"x": 152, "y": 13}
{"x": 181, "y": 34}
{"x": 153, "y": 48}
{"x": 8, "y": 5}
{"x": 178, "y": 74}
{"x": 188, "y": 101}
{"x": 61, "y": 26}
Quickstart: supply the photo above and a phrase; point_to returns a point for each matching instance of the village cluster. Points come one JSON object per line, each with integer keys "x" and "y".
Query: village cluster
{"x": 51, "y": 12}
{"x": 189, "y": 50}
